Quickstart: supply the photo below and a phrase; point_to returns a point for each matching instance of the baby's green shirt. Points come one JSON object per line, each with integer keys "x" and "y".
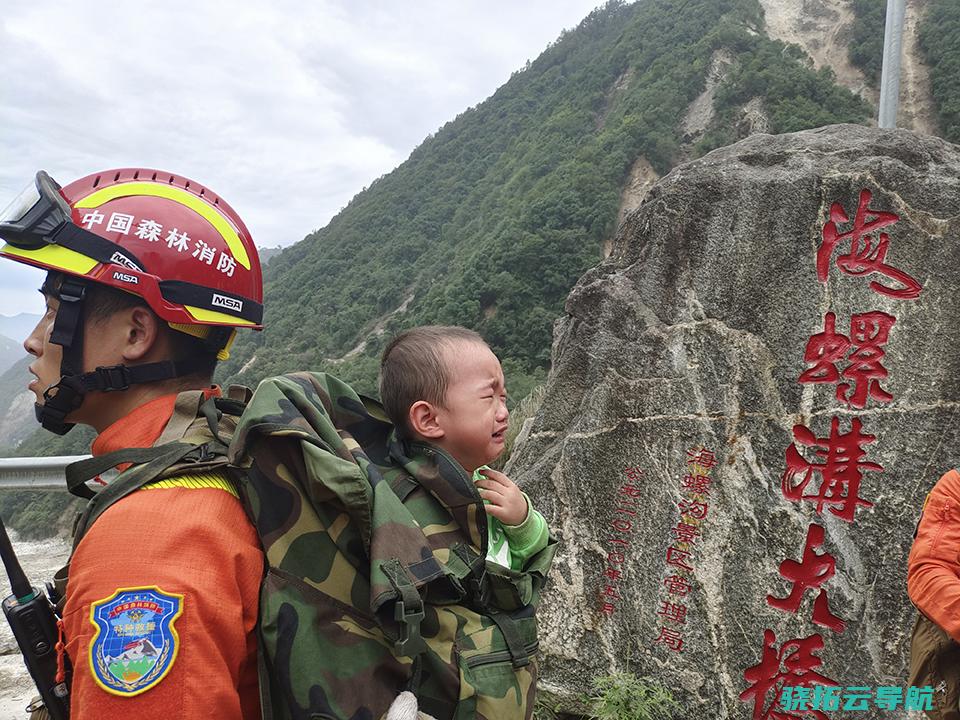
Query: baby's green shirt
{"x": 512, "y": 545}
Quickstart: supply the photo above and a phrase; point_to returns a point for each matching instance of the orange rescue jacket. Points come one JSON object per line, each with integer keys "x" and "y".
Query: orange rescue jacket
{"x": 185, "y": 536}
{"x": 933, "y": 569}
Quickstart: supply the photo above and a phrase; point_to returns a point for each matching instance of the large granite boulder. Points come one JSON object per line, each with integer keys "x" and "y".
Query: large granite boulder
{"x": 695, "y": 335}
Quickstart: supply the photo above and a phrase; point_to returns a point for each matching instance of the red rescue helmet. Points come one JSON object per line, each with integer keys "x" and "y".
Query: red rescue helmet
{"x": 162, "y": 237}
{"x": 172, "y": 241}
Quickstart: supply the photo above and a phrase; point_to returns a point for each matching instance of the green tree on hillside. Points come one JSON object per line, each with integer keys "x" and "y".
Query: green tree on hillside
{"x": 866, "y": 44}
{"x": 940, "y": 44}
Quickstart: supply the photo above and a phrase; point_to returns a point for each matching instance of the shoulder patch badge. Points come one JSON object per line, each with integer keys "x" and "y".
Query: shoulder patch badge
{"x": 134, "y": 642}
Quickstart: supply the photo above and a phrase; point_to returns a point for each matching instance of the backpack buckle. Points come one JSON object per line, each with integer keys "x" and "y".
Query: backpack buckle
{"x": 407, "y": 609}
{"x": 202, "y": 453}
{"x": 480, "y": 589}
{"x": 409, "y": 619}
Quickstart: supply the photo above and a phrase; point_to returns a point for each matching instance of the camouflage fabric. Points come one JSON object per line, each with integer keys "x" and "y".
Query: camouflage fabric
{"x": 376, "y": 573}
{"x": 494, "y": 628}
{"x": 377, "y": 580}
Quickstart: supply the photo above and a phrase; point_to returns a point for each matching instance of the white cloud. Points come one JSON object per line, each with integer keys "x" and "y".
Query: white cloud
{"x": 287, "y": 109}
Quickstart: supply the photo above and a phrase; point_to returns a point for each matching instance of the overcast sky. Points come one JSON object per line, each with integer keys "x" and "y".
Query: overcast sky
{"x": 287, "y": 109}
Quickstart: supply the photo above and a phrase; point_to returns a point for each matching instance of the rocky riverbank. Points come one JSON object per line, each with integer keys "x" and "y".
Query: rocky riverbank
{"x": 40, "y": 559}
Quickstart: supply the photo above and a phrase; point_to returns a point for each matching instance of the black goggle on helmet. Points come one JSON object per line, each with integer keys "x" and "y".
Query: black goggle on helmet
{"x": 40, "y": 216}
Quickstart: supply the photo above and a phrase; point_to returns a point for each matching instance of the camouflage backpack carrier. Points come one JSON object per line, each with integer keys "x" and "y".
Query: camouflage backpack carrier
{"x": 376, "y": 575}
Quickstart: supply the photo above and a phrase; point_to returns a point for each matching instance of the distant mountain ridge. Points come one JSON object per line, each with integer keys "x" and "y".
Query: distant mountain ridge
{"x": 847, "y": 37}
{"x": 10, "y": 352}
{"x": 17, "y": 327}
{"x": 16, "y": 407}
{"x": 14, "y": 377}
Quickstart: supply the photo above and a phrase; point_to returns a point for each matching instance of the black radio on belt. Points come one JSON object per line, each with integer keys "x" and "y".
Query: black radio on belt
{"x": 34, "y": 623}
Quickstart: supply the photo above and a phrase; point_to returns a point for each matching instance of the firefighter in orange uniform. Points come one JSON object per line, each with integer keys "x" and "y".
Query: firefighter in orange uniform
{"x": 149, "y": 275}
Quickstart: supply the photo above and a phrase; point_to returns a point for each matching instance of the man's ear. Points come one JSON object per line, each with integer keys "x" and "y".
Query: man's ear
{"x": 422, "y": 417}
{"x": 143, "y": 333}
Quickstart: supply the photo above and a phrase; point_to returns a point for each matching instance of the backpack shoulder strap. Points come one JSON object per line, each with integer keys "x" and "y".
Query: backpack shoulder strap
{"x": 157, "y": 462}
{"x": 185, "y": 411}
{"x": 199, "y": 431}
{"x": 79, "y": 473}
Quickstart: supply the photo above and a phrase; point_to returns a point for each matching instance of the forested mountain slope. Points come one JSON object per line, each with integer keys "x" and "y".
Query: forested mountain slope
{"x": 940, "y": 43}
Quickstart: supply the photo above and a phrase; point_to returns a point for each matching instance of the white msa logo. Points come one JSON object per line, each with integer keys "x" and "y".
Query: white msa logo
{"x": 121, "y": 259}
{"x": 123, "y": 277}
{"x": 227, "y": 302}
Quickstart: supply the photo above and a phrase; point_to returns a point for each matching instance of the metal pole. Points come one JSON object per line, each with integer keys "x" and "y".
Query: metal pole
{"x": 36, "y": 472}
{"x": 890, "y": 76}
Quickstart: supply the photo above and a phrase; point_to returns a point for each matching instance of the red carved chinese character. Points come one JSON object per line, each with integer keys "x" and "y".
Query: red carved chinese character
{"x": 610, "y": 592}
{"x": 677, "y": 558}
{"x": 630, "y": 490}
{"x": 868, "y": 333}
{"x": 872, "y": 257}
{"x": 800, "y": 663}
{"x": 699, "y": 484}
{"x": 693, "y": 509}
{"x": 677, "y": 584}
{"x": 823, "y": 350}
{"x": 613, "y": 574}
{"x": 840, "y": 473}
{"x": 671, "y": 638}
{"x": 670, "y": 611}
{"x": 607, "y": 608}
{"x": 812, "y": 572}
{"x": 615, "y": 558}
{"x": 703, "y": 457}
{"x": 684, "y": 532}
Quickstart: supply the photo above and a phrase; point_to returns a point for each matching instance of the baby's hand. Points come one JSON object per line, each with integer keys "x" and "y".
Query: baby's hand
{"x": 506, "y": 502}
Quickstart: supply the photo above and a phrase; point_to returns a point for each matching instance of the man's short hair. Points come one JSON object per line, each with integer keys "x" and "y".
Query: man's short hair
{"x": 414, "y": 367}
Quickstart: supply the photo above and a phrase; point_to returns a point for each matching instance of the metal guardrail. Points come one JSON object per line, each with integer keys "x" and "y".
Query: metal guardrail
{"x": 40, "y": 473}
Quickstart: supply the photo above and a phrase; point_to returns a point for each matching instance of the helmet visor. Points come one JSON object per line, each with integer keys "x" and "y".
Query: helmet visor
{"x": 21, "y": 204}
{"x": 34, "y": 216}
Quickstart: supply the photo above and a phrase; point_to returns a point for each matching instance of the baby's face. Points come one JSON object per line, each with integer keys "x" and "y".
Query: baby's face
{"x": 474, "y": 413}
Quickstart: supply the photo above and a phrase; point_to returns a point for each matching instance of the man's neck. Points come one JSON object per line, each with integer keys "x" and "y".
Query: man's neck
{"x": 140, "y": 427}
{"x": 101, "y": 410}
{"x": 143, "y": 425}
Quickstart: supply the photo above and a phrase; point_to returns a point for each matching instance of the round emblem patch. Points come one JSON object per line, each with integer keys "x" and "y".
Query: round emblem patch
{"x": 135, "y": 643}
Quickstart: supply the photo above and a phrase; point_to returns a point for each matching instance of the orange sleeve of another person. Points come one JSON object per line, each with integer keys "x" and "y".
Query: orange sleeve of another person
{"x": 933, "y": 570}
{"x": 194, "y": 542}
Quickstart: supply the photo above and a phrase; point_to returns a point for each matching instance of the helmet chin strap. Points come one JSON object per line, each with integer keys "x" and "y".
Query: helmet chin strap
{"x": 67, "y": 395}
